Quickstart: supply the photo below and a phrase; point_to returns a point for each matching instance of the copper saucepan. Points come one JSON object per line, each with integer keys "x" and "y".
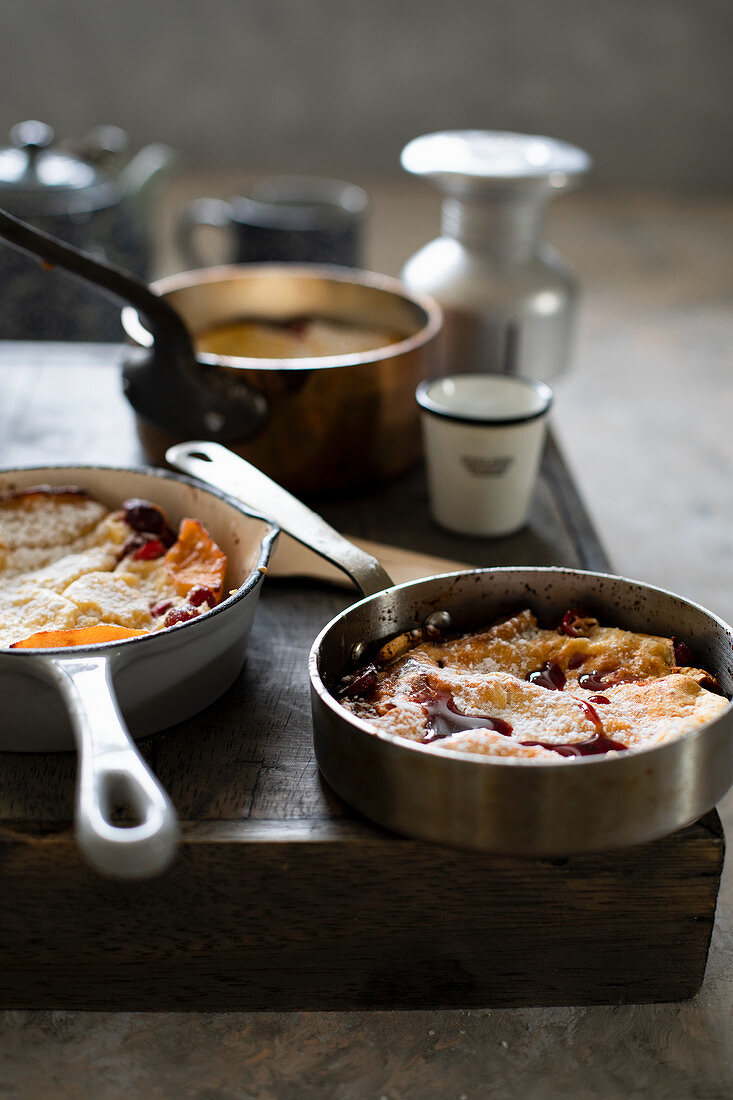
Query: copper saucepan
{"x": 99, "y": 698}
{"x": 315, "y": 423}
{"x": 321, "y": 423}
{"x": 519, "y": 807}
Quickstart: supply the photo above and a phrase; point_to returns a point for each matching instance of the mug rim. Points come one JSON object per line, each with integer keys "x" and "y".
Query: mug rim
{"x": 429, "y": 405}
{"x": 339, "y": 204}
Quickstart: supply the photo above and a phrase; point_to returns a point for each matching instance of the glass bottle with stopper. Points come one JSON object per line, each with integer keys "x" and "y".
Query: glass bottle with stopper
{"x": 507, "y": 297}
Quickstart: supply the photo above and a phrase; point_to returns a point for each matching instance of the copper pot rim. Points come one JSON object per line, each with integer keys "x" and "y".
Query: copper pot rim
{"x": 184, "y": 280}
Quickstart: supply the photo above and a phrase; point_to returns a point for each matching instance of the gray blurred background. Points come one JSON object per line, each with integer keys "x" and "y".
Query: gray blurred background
{"x": 338, "y": 86}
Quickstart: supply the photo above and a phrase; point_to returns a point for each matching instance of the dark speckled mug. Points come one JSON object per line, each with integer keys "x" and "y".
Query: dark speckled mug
{"x": 300, "y": 219}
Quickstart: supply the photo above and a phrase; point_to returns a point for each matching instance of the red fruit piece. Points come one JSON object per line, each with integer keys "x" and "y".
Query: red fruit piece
{"x": 180, "y": 615}
{"x": 682, "y": 654}
{"x": 567, "y": 624}
{"x": 362, "y": 683}
{"x": 550, "y": 676}
{"x": 141, "y": 515}
{"x": 201, "y": 594}
{"x": 133, "y": 543}
{"x": 161, "y": 607}
{"x": 576, "y": 624}
{"x": 149, "y": 550}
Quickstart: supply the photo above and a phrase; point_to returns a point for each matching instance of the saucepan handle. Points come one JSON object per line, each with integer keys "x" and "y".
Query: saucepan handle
{"x": 111, "y": 772}
{"x": 166, "y": 388}
{"x": 218, "y": 466}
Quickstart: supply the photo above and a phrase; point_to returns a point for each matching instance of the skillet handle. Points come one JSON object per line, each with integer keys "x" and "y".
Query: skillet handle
{"x": 111, "y": 771}
{"x": 218, "y": 466}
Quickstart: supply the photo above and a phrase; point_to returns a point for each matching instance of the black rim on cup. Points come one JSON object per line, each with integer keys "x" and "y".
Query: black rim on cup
{"x": 435, "y": 408}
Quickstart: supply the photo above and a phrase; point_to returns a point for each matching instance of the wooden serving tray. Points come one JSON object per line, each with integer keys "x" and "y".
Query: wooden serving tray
{"x": 281, "y": 896}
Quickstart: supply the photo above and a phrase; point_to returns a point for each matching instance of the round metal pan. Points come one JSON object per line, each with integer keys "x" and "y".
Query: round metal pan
{"x": 99, "y": 697}
{"x": 518, "y": 807}
{"x": 317, "y": 423}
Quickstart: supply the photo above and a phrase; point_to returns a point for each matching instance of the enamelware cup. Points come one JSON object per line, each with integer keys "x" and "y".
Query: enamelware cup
{"x": 483, "y": 435}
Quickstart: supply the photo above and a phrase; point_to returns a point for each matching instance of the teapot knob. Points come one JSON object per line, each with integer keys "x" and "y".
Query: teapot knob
{"x": 33, "y": 137}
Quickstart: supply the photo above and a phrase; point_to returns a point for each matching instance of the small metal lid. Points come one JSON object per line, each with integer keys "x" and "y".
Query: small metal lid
{"x": 467, "y": 163}
{"x": 37, "y": 179}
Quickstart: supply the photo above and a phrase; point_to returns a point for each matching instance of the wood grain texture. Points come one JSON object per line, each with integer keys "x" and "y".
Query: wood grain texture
{"x": 281, "y": 896}
{"x": 358, "y": 919}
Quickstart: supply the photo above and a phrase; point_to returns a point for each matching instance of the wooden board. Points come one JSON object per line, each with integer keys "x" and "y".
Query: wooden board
{"x": 281, "y": 896}
{"x": 288, "y": 915}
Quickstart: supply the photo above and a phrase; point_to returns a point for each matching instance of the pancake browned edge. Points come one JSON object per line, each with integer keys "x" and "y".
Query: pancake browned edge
{"x": 520, "y": 690}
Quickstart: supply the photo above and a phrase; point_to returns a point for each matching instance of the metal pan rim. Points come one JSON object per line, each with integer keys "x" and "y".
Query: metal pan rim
{"x": 614, "y": 760}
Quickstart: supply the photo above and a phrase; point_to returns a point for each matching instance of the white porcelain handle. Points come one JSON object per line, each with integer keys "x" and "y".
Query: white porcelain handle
{"x": 112, "y": 772}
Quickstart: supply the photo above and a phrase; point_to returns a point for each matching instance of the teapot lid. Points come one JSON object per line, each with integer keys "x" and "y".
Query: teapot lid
{"x": 37, "y": 179}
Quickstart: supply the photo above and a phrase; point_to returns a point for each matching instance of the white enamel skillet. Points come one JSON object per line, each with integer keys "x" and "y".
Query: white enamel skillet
{"x": 506, "y": 805}
{"x": 100, "y": 698}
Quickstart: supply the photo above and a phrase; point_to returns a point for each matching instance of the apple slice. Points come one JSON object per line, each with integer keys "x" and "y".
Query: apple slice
{"x": 83, "y": 635}
{"x": 195, "y": 559}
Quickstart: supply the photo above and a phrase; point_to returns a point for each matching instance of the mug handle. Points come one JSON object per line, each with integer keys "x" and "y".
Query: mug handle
{"x": 200, "y": 212}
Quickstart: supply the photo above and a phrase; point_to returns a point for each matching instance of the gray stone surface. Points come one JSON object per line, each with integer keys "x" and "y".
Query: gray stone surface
{"x": 679, "y": 1052}
{"x": 340, "y": 85}
{"x": 644, "y": 417}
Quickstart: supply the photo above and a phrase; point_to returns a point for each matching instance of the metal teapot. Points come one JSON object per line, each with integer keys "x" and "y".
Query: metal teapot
{"x": 73, "y": 198}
